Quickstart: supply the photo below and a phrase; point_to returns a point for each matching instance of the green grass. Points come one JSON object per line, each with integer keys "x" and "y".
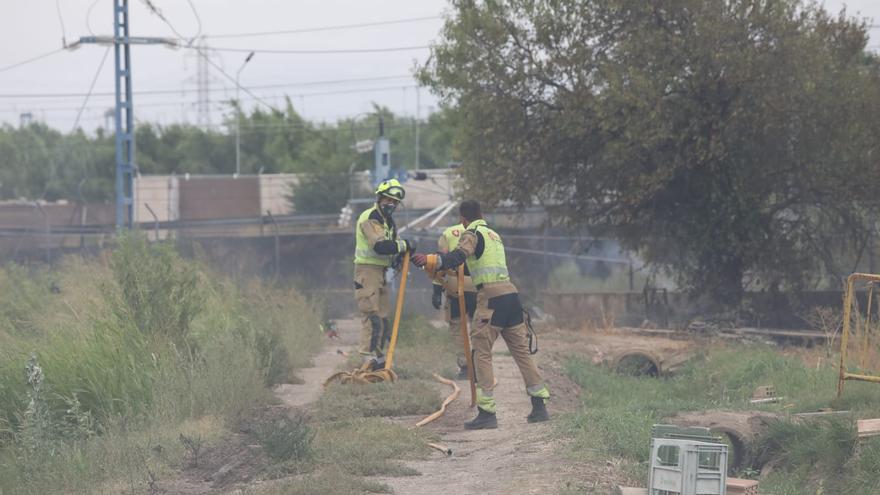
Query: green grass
{"x": 424, "y": 350}
{"x": 133, "y": 352}
{"x": 613, "y": 424}
{"x": 352, "y": 439}
{"x": 136, "y": 351}
{"x": 331, "y": 480}
{"x": 368, "y": 446}
{"x": 404, "y": 397}
{"x": 287, "y": 439}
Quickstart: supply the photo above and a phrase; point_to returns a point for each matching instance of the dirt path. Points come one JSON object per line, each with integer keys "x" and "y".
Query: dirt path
{"x": 325, "y": 364}
{"x": 516, "y": 458}
{"x": 232, "y": 465}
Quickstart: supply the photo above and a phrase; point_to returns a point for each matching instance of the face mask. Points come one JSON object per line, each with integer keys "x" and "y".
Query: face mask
{"x": 388, "y": 209}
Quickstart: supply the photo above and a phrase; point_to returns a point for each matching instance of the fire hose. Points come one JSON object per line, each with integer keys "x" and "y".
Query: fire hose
{"x": 363, "y": 374}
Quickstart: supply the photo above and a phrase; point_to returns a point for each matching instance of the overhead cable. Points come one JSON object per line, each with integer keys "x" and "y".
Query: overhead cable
{"x": 176, "y": 91}
{"x": 158, "y": 13}
{"x": 254, "y": 97}
{"x": 61, "y": 20}
{"x": 32, "y": 59}
{"x": 64, "y": 142}
{"x": 91, "y": 88}
{"x": 326, "y": 28}
{"x": 89, "y": 17}
{"x": 315, "y": 52}
{"x": 227, "y": 76}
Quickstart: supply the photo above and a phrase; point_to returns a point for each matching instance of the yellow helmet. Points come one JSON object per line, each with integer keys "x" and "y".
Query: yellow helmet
{"x": 392, "y": 189}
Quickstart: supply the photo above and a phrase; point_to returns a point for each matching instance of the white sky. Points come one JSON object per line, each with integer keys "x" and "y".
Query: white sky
{"x": 31, "y": 27}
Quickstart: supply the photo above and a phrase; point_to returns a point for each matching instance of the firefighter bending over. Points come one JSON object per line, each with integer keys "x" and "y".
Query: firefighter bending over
{"x": 498, "y": 312}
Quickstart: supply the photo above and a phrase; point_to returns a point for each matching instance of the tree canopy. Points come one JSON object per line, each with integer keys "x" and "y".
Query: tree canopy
{"x": 731, "y": 141}
{"x": 37, "y": 161}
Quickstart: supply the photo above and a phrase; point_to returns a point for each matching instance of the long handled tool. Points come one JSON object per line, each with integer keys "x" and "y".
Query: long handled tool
{"x": 405, "y": 273}
{"x": 462, "y": 310}
{"x": 363, "y": 374}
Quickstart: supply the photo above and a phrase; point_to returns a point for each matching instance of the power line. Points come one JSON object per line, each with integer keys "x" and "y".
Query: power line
{"x": 326, "y": 28}
{"x": 225, "y": 88}
{"x": 158, "y": 13}
{"x": 32, "y": 59}
{"x": 198, "y": 19}
{"x": 227, "y": 76}
{"x": 256, "y": 98}
{"x": 61, "y": 20}
{"x": 348, "y": 91}
{"x": 317, "y": 52}
{"x": 91, "y": 88}
{"x": 85, "y": 102}
{"x": 89, "y": 17}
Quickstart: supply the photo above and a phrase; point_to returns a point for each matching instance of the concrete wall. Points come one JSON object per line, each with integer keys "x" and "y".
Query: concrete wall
{"x": 206, "y": 197}
{"x": 26, "y": 215}
{"x": 162, "y": 193}
{"x": 275, "y": 190}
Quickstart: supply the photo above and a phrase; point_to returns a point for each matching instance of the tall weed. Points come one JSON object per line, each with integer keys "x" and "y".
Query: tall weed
{"x": 159, "y": 292}
{"x": 129, "y": 351}
{"x": 614, "y": 424}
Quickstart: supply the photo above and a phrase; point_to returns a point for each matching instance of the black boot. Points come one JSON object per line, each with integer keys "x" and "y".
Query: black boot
{"x": 483, "y": 421}
{"x": 539, "y": 411}
{"x": 378, "y": 363}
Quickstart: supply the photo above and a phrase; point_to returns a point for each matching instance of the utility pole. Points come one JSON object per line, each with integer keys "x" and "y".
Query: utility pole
{"x": 417, "y": 127}
{"x": 124, "y": 113}
{"x": 238, "y": 116}
{"x": 203, "y": 84}
{"x": 124, "y": 129}
{"x": 382, "y": 148}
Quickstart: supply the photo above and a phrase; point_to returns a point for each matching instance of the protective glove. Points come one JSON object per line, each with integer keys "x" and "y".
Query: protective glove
{"x": 419, "y": 259}
{"x": 437, "y": 296}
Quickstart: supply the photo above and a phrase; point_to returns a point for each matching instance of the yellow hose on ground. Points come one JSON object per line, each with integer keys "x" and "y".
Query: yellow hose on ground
{"x": 442, "y": 448}
{"x": 436, "y": 414}
{"x": 454, "y": 395}
{"x": 363, "y": 375}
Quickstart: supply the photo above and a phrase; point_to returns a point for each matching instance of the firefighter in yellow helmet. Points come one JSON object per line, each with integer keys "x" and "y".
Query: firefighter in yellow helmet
{"x": 377, "y": 248}
{"x": 447, "y": 281}
{"x": 498, "y": 312}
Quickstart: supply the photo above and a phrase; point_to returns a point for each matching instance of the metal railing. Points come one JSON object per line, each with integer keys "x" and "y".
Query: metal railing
{"x": 863, "y": 329}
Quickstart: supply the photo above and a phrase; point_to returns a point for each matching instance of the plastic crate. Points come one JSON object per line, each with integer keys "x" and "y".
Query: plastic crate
{"x": 687, "y": 467}
{"x": 698, "y": 433}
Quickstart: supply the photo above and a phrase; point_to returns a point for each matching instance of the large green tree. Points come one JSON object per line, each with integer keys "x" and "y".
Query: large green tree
{"x": 38, "y": 162}
{"x": 731, "y": 141}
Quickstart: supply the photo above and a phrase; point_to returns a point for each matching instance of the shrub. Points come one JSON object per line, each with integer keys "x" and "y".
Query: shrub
{"x": 129, "y": 350}
{"x": 287, "y": 438}
{"x": 159, "y": 292}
